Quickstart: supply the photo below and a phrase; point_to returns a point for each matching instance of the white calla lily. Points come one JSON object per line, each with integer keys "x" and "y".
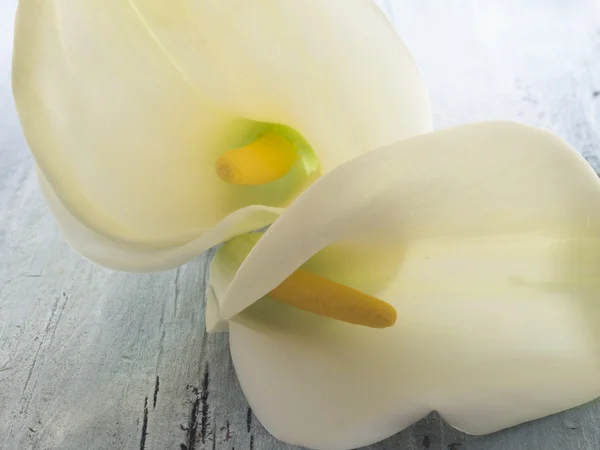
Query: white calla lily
{"x": 486, "y": 239}
{"x": 127, "y": 105}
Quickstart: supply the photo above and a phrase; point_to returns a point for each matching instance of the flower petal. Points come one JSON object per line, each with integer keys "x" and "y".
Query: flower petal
{"x": 131, "y": 258}
{"x": 486, "y": 353}
{"x": 326, "y": 384}
{"x": 334, "y": 70}
{"x": 124, "y": 141}
{"x": 486, "y": 179}
{"x": 486, "y": 239}
{"x": 126, "y": 105}
{"x": 214, "y": 324}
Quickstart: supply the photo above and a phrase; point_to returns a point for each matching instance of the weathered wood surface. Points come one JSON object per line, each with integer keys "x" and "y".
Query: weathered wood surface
{"x": 92, "y": 359}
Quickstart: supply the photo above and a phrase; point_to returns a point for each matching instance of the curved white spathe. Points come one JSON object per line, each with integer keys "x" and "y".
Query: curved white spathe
{"x": 486, "y": 239}
{"x": 131, "y": 258}
{"x": 127, "y": 104}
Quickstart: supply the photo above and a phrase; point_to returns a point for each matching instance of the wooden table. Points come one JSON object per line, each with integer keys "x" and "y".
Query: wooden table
{"x": 93, "y": 359}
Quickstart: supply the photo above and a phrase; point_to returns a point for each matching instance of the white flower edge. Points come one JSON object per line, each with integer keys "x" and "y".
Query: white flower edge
{"x": 126, "y": 106}
{"x": 139, "y": 259}
{"x": 486, "y": 239}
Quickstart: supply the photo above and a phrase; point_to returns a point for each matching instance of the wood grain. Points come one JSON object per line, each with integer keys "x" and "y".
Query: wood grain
{"x": 93, "y": 359}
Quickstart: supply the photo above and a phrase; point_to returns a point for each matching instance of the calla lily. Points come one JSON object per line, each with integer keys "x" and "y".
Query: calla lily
{"x": 485, "y": 238}
{"x": 162, "y": 129}
{"x": 127, "y": 106}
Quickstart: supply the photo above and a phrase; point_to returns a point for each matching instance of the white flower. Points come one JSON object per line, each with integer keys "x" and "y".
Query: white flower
{"x": 486, "y": 240}
{"x": 127, "y": 106}
{"x": 161, "y": 129}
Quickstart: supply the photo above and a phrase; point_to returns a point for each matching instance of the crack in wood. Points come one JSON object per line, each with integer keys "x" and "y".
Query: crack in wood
{"x": 177, "y": 290}
{"x": 35, "y": 357}
{"x": 144, "y": 425}
{"x": 200, "y": 408}
{"x": 56, "y": 311}
{"x": 252, "y": 442}
{"x": 161, "y": 341}
{"x": 249, "y": 420}
{"x": 161, "y": 323}
{"x": 192, "y": 427}
{"x": 227, "y": 432}
{"x": 205, "y": 410}
{"x": 156, "y": 388}
{"x": 426, "y": 441}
